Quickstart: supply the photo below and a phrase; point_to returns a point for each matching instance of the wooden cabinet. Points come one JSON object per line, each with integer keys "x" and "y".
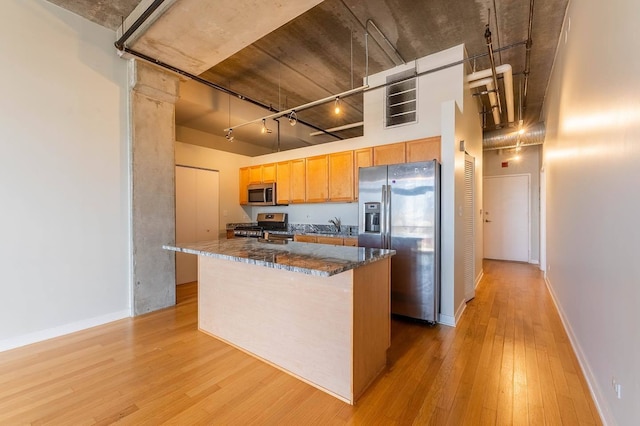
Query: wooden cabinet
{"x": 262, "y": 173}
{"x": 426, "y": 149}
{"x": 317, "y": 182}
{"x": 243, "y": 183}
{"x": 351, "y": 241}
{"x": 341, "y": 176}
{"x": 269, "y": 173}
{"x": 389, "y": 154}
{"x": 362, "y": 158}
{"x": 336, "y": 241}
{"x": 283, "y": 182}
{"x": 298, "y": 178}
{"x": 333, "y": 177}
{"x": 255, "y": 174}
{"x": 328, "y": 239}
{"x": 305, "y": 238}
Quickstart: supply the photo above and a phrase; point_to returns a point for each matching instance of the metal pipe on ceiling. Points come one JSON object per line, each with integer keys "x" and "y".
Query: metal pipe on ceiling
{"x": 138, "y": 23}
{"x": 384, "y": 37}
{"x": 511, "y": 138}
{"x": 527, "y": 61}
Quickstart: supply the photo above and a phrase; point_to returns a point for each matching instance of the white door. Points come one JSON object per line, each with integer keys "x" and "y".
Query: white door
{"x": 506, "y": 217}
{"x": 196, "y": 215}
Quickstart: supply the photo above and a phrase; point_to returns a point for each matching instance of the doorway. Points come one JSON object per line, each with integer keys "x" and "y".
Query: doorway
{"x": 197, "y": 217}
{"x": 507, "y": 217}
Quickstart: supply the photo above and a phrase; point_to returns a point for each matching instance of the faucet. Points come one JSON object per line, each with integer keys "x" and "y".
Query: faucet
{"x": 336, "y": 222}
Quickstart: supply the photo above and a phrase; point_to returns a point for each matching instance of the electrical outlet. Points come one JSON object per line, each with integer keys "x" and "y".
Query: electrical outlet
{"x": 617, "y": 387}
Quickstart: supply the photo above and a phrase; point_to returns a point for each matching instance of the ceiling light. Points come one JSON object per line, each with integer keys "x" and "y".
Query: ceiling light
{"x": 229, "y": 135}
{"x": 264, "y": 129}
{"x": 293, "y": 118}
{"x": 336, "y": 105}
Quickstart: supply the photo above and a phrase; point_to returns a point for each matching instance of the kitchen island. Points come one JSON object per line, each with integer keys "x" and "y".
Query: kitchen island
{"x": 316, "y": 311}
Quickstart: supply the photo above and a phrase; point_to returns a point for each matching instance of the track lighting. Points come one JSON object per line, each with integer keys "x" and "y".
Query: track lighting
{"x": 229, "y": 135}
{"x": 293, "y": 118}
{"x": 264, "y": 129}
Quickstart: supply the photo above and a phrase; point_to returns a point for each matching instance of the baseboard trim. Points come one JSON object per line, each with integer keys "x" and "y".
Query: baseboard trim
{"x": 38, "y": 336}
{"x": 594, "y": 389}
{"x": 453, "y": 320}
{"x": 479, "y": 278}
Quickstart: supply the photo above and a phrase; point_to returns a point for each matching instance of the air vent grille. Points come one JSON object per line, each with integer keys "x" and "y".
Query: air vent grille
{"x": 401, "y": 99}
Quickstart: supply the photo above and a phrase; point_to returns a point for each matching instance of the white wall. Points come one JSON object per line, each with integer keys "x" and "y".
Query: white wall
{"x": 65, "y": 222}
{"x": 591, "y": 158}
{"x": 528, "y": 163}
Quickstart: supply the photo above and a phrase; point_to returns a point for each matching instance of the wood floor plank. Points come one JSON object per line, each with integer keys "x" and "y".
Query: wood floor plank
{"x": 508, "y": 361}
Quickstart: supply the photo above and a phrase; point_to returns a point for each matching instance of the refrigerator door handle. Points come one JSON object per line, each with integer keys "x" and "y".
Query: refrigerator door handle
{"x": 388, "y": 217}
{"x": 383, "y": 218}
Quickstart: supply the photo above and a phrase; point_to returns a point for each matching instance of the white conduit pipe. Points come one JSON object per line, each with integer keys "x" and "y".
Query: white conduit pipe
{"x": 507, "y": 73}
{"x": 493, "y": 98}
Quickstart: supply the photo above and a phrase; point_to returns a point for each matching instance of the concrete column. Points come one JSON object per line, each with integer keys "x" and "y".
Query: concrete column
{"x": 152, "y": 118}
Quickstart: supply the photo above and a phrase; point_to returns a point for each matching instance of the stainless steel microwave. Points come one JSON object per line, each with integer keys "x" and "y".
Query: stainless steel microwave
{"x": 262, "y": 194}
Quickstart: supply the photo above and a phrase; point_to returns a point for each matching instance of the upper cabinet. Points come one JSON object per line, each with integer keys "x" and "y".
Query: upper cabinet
{"x": 283, "y": 182}
{"x": 255, "y": 174}
{"x": 423, "y": 149}
{"x": 333, "y": 177}
{"x": 341, "y": 187}
{"x": 317, "y": 182}
{"x": 244, "y": 182}
{"x": 269, "y": 173}
{"x": 389, "y": 154}
{"x": 362, "y": 158}
{"x": 298, "y": 179}
{"x": 262, "y": 173}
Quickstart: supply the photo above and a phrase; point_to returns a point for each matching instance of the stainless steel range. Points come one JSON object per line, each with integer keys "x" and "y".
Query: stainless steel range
{"x": 247, "y": 231}
{"x": 275, "y": 226}
{"x": 271, "y": 226}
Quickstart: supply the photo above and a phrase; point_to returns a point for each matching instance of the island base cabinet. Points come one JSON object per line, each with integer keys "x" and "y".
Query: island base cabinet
{"x": 331, "y": 332}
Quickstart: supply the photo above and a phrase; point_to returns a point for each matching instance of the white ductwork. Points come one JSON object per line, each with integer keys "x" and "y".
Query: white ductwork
{"x": 484, "y": 78}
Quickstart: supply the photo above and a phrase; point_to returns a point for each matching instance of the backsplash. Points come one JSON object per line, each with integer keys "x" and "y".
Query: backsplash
{"x": 306, "y": 228}
{"x": 314, "y": 213}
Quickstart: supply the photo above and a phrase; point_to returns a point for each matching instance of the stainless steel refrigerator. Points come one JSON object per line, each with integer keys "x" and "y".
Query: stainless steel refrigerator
{"x": 399, "y": 208}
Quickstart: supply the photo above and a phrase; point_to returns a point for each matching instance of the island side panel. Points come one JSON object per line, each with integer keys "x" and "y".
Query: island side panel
{"x": 372, "y": 322}
{"x": 300, "y": 323}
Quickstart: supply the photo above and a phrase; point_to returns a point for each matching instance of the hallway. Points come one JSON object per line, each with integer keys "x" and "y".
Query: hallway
{"x": 508, "y": 362}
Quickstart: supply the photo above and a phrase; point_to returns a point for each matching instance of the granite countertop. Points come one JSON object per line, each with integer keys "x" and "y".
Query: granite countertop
{"x": 312, "y": 259}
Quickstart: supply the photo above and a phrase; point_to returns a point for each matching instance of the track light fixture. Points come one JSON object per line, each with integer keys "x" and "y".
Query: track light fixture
{"x": 229, "y": 135}
{"x": 293, "y": 118}
{"x": 264, "y": 129}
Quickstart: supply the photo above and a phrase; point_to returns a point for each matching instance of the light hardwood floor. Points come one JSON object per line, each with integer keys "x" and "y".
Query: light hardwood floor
{"x": 509, "y": 361}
